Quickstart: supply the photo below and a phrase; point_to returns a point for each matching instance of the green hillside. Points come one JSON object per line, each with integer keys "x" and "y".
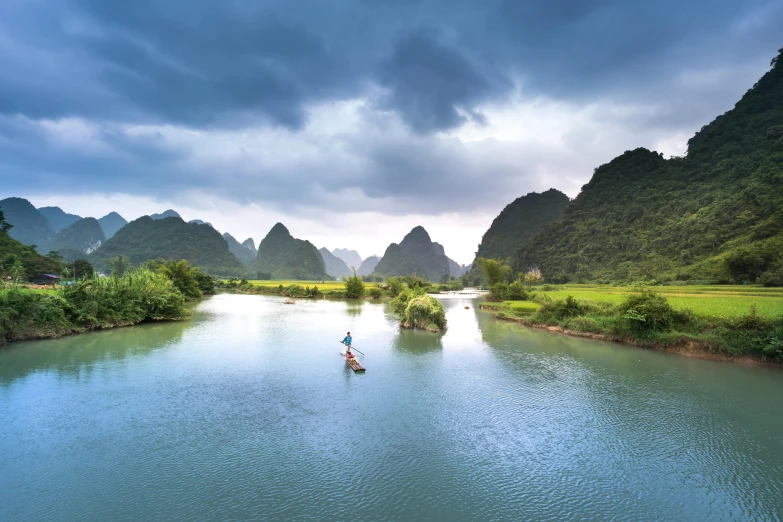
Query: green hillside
{"x": 715, "y": 214}
{"x": 241, "y": 252}
{"x": 285, "y": 257}
{"x": 335, "y": 266}
{"x": 522, "y": 219}
{"x": 82, "y": 237}
{"x": 58, "y": 218}
{"x": 170, "y": 238}
{"x": 111, "y": 223}
{"x": 416, "y": 254}
{"x": 29, "y": 225}
{"x": 368, "y": 266}
{"x": 33, "y": 263}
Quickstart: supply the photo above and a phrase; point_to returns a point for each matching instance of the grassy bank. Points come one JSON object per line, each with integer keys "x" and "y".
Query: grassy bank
{"x": 732, "y": 321}
{"x": 88, "y": 304}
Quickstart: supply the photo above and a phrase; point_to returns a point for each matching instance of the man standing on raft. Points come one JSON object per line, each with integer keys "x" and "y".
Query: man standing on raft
{"x": 347, "y": 342}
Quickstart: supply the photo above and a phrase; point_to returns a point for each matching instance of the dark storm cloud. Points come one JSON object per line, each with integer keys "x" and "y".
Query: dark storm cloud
{"x": 226, "y": 63}
{"x": 215, "y": 67}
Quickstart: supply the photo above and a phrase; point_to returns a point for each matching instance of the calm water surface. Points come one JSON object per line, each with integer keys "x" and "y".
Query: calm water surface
{"x": 248, "y": 412}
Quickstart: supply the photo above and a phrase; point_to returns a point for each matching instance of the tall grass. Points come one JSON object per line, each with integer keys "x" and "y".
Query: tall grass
{"x": 139, "y": 295}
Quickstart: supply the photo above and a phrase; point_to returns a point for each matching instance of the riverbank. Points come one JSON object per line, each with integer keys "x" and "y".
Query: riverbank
{"x": 646, "y": 320}
{"x": 89, "y": 304}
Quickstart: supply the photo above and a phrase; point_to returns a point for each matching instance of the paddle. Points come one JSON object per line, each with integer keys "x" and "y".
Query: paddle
{"x": 352, "y": 348}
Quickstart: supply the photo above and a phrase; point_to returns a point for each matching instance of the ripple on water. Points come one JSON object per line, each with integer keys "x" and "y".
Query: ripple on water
{"x": 247, "y": 412}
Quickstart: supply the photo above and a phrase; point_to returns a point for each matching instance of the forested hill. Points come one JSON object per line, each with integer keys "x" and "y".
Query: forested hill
{"x": 516, "y": 224}
{"x": 170, "y": 238}
{"x": 335, "y": 266}
{"x": 368, "y": 265}
{"x": 29, "y": 225}
{"x": 111, "y": 223}
{"x": 716, "y": 214}
{"x": 79, "y": 238}
{"x": 58, "y": 218}
{"x": 285, "y": 257}
{"x": 242, "y": 252}
{"x": 416, "y": 254}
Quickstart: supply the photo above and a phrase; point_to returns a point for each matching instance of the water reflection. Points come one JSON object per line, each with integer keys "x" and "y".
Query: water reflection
{"x": 77, "y": 354}
{"x": 417, "y": 341}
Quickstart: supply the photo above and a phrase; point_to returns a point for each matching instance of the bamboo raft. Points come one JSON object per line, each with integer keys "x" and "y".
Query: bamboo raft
{"x": 354, "y": 364}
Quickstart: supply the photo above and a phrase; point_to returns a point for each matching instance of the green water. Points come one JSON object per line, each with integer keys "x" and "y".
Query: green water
{"x": 248, "y": 412}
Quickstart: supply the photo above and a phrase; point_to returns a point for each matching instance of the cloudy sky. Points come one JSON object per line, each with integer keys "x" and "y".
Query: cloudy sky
{"x": 352, "y": 121}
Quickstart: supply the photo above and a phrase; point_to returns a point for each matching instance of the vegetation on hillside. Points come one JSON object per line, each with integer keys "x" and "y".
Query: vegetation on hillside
{"x": 30, "y": 227}
{"x": 285, "y": 257}
{"x": 714, "y": 215}
{"x": 516, "y": 224}
{"x": 78, "y": 239}
{"x": 146, "y": 239}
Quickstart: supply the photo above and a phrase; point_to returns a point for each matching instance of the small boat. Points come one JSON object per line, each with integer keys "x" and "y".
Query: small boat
{"x": 353, "y": 363}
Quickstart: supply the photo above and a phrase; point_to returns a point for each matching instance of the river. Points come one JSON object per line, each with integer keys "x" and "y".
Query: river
{"x": 248, "y": 412}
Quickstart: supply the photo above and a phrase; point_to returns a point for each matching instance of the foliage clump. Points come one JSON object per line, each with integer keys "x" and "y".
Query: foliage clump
{"x": 89, "y": 303}
{"x": 648, "y": 311}
{"x": 354, "y": 286}
{"x": 416, "y": 309}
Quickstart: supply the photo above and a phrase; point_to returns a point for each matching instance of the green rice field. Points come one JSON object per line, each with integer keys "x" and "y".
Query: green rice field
{"x": 324, "y": 287}
{"x": 706, "y": 301}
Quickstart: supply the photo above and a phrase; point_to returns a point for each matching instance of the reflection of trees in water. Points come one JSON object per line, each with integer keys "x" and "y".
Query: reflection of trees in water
{"x": 418, "y": 341}
{"x": 75, "y": 354}
{"x": 354, "y": 307}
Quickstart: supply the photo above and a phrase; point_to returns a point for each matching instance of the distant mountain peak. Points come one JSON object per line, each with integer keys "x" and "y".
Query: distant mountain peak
{"x": 165, "y": 214}
{"x": 111, "y": 223}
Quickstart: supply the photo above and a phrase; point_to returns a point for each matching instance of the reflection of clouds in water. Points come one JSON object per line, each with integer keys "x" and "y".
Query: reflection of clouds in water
{"x": 76, "y": 355}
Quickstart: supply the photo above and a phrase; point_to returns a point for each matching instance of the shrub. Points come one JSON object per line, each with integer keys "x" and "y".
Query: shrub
{"x": 395, "y": 285}
{"x": 497, "y": 292}
{"x": 376, "y": 292}
{"x": 562, "y": 309}
{"x": 354, "y": 286}
{"x": 772, "y": 277}
{"x": 424, "y": 312}
{"x": 516, "y": 292}
{"x": 648, "y": 311}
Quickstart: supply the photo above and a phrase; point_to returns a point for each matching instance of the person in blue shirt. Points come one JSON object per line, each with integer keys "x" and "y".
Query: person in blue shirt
{"x": 347, "y": 342}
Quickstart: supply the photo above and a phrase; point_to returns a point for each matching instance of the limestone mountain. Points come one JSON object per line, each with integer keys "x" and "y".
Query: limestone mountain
{"x": 368, "y": 266}
{"x": 456, "y": 270}
{"x": 170, "y": 238}
{"x": 241, "y": 252}
{"x": 30, "y": 226}
{"x": 416, "y": 254}
{"x": 58, "y": 218}
{"x": 350, "y": 257}
{"x": 335, "y": 266}
{"x": 519, "y": 221}
{"x": 198, "y": 221}
{"x": 78, "y": 239}
{"x": 33, "y": 263}
{"x": 111, "y": 223}
{"x": 165, "y": 214}
{"x": 285, "y": 257}
{"x": 715, "y": 214}
{"x": 250, "y": 245}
